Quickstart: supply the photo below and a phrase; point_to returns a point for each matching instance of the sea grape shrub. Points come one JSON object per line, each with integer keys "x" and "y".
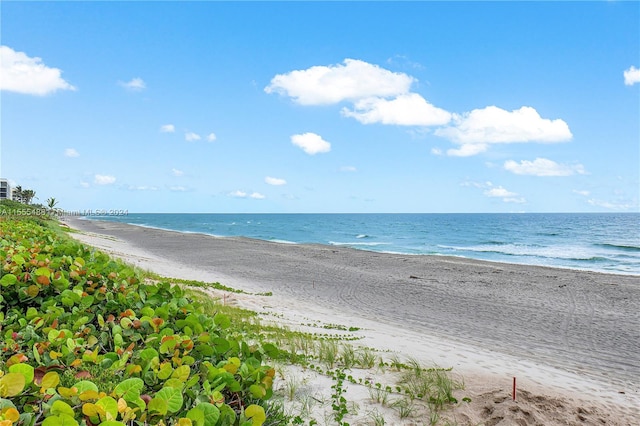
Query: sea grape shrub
{"x": 84, "y": 341}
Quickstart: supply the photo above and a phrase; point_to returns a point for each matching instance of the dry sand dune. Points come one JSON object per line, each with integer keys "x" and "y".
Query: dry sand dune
{"x": 571, "y": 337}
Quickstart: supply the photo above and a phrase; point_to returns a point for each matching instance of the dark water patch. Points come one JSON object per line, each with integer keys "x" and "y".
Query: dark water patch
{"x": 620, "y": 247}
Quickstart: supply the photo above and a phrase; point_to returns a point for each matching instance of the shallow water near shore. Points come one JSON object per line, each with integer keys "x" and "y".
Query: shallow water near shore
{"x": 606, "y": 242}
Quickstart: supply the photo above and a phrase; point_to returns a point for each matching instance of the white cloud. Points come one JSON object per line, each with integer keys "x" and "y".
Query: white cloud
{"x": 518, "y": 200}
{"x": 348, "y": 169}
{"x": 499, "y": 192}
{"x": 311, "y": 143}
{"x": 104, "y": 179}
{"x": 29, "y": 76}
{"x": 177, "y": 172}
{"x": 492, "y": 125}
{"x": 275, "y": 181}
{"x": 583, "y": 193}
{"x": 631, "y": 76}
{"x": 242, "y": 194}
{"x": 436, "y": 151}
{"x": 142, "y": 188}
{"x": 323, "y": 85}
{"x": 167, "y": 128}
{"x": 408, "y": 109}
{"x": 71, "y": 153}
{"x": 211, "y": 137}
{"x": 84, "y": 184}
{"x": 190, "y": 137}
{"x": 468, "y": 150}
{"x": 481, "y": 185}
{"x": 177, "y": 188}
{"x": 543, "y": 167}
{"x": 135, "y": 84}
{"x": 492, "y": 191}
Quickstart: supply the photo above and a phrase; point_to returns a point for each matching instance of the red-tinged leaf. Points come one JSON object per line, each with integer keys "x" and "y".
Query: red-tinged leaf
{"x": 16, "y": 359}
{"x": 83, "y": 375}
{"x": 38, "y": 374}
{"x": 43, "y": 280}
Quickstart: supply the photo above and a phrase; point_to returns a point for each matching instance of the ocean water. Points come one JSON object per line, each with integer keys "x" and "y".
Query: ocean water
{"x": 590, "y": 241}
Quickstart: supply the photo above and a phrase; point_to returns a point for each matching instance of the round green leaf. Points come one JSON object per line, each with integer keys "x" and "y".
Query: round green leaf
{"x": 85, "y": 385}
{"x": 165, "y": 371}
{"x": 109, "y": 405}
{"x": 271, "y": 350}
{"x": 196, "y": 415}
{"x": 221, "y": 345}
{"x": 256, "y": 414}
{"x": 50, "y": 380}
{"x": 8, "y": 279}
{"x": 174, "y": 383}
{"x": 61, "y": 407}
{"x": 211, "y": 413}
{"x": 5, "y": 403}
{"x": 25, "y": 369}
{"x": 129, "y": 388}
{"x": 222, "y": 320}
{"x": 257, "y": 391}
{"x": 31, "y": 313}
{"x": 173, "y": 397}
{"x": 158, "y": 405}
{"x": 181, "y": 373}
{"x": 11, "y": 384}
{"x": 148, "y": 354}
{"x": 61, "y": 420}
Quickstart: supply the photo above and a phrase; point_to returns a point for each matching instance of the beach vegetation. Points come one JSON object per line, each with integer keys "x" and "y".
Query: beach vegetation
{"x": 417, "y": 390}
{"x": 366, "y": 358}
{"x": 377, "y": 418}
{"x": 339, "y": 402}
{"x": 379, "y": 395}
{"x": 86, "y": 341}
{"x": 27, "y": 195}
{"x": 404, "y": 406}
{"x": 348, "y": 356}
{"x": 51, "y": 203}
{"x": 328, "y": 352}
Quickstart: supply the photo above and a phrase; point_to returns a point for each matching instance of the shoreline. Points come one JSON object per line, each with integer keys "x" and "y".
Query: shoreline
{"x": 568, "y": 333}
{"x": 350, "y": 247}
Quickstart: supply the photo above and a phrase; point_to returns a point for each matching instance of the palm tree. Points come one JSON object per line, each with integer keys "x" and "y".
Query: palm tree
{"x": 51, "y": 203}
{"x": 17, "y": 193}
{"x": 28, "y": 195}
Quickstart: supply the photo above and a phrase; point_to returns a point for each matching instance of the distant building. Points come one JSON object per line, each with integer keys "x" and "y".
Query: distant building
{"x": 6, "y": 192}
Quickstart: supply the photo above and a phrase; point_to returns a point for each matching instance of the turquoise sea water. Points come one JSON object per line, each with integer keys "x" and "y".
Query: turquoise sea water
{"x": 590, "y": 241}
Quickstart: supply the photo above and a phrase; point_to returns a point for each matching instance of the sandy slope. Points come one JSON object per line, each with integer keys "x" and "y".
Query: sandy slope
{"x": 571, "y": 338}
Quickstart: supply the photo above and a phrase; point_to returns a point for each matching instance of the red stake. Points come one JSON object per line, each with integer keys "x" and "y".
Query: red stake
{"x": 514, "y": 388}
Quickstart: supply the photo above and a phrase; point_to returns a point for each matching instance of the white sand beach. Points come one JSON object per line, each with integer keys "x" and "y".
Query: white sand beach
{"x": 571, "y": 338}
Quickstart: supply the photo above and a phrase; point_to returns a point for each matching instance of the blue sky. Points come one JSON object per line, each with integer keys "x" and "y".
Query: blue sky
{"x": 323, "y": 106}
